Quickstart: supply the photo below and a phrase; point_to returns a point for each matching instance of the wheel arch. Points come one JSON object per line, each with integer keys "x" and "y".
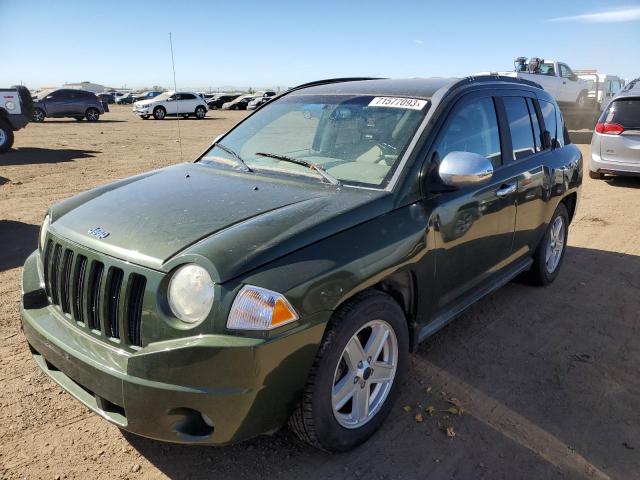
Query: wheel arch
{"x": 570, "y": 202}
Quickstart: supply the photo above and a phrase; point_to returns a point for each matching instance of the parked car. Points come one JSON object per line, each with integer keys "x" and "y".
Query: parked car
{"x": 239, "y": 103}
{"x": 66, "y": 102}
{"x": 615, "y": 145}
{"x": 219, "y": 100}
{"x": 257, "y": 102}
{"x": 171, "y": 103}
{"x": 126, "y": 99}
{"x": 290, "y": 270}
{"x": 146, "y": 95}
{"x": 16, "y": 109}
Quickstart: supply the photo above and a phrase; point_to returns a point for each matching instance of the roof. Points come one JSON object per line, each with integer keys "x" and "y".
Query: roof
{"x": 406, "y": 87}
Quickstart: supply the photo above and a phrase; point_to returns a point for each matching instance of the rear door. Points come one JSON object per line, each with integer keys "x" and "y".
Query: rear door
{"x": 622, "y": 147}
{"x": 188, "y": 102}
{"x": 528, "y": 156}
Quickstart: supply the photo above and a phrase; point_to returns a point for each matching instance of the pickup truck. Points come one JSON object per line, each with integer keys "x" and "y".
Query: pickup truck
{"x": 571, "y": 92}
{"x": 557, "y": 78}
{"x": 16, "y": 108}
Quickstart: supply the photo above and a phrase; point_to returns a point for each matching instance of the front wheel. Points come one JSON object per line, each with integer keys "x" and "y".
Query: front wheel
{"x": 92, "y": 114}
{"x": 6, "y": 137}
{"x": 356, "y": 374}
{"x": 548, "y": 257}
{"x": 200, "y": 112}
{"x": 159, "y": 113}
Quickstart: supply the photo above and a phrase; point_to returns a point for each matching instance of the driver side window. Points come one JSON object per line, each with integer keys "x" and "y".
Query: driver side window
{"x": 565, "y": 72}
{"x": 472, "y": 127}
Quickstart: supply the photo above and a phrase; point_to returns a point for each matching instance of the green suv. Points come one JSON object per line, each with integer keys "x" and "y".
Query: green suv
{"x": 286, "y": 274}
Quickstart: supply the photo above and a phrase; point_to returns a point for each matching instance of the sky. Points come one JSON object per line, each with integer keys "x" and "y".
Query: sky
{"x": 284, "y": 43}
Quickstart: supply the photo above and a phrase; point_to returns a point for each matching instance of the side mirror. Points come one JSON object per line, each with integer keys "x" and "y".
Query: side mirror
{"x": 460, "y": 169}
{"x": 170, "y": 99}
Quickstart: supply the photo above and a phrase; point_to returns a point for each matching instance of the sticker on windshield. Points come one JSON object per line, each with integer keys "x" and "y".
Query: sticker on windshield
{"x": 398, "y": 102}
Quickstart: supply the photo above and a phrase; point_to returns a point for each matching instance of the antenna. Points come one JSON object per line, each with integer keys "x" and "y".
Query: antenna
{"x": 175, "y": 90}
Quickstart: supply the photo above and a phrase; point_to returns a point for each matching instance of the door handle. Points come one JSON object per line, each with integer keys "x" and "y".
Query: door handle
{"x": 505, "y": 190}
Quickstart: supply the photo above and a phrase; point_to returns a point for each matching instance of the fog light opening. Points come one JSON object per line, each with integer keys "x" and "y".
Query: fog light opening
{"x": 192, "y": 423}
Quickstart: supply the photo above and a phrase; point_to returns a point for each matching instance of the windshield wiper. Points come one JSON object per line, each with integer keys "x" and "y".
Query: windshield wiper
{"x": 313, "y": 166}
{"x": 234, "y": 155}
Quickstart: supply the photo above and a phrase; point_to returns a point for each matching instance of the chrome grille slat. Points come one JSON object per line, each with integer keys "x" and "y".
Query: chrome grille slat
{"x": 79, "y": 279}
{"x": 137, "y": 285}
{"x": 65, "y": 280}
{"x": 99, "y": 296}
{"x": 113, "y": 302}
{"x": 93, "y": 295}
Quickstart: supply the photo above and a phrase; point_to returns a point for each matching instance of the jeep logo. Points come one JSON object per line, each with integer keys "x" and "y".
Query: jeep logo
{"x": 98, "y": 233}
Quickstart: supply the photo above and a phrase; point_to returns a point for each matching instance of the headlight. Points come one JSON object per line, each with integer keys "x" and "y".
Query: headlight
{"x": 257, "y": 308}
{"x": 191, "y": 293}
{"x": 43, "y": 230}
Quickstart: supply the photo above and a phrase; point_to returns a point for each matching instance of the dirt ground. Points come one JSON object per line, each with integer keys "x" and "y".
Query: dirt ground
{"x": 547, "y": 378}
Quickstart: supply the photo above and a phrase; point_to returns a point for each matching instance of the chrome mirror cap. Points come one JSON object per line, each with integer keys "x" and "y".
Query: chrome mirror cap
{"x": 461, "y": 169}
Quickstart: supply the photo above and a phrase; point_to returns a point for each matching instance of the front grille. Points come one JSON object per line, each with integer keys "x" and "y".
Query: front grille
{"x": 103, "y": 299}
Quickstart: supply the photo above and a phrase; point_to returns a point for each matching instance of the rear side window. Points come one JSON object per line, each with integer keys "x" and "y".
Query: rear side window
{"x": 520, "y": 126}
{"x": 473, "y": 128}
{"x": 187, "y": 96}
{"x": 549, "y": 116}
{"x": 624, "y": 112}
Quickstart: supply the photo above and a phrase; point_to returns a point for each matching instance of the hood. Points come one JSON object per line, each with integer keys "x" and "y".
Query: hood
{"x": 233, "y": 219}
{"x": 145, "y": 102}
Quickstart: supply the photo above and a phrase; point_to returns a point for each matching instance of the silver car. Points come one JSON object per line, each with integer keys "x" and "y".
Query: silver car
{"x": 615, "y": 146}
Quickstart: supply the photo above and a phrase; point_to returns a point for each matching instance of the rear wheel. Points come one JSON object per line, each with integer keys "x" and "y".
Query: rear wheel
{"x": 92, "y": 114}
{"x": 38, "y": 115}
{"x": 356, "y": 374}
{"x": 596, "y": 175}
{"x": 159, "y": 113}
{"x": 548, "y": 257}
{"x": 200, "y": 112}
{"x": 6, "y": 136}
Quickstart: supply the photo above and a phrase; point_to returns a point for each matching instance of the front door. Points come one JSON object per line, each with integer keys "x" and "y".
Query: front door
{"x": 473, "y": 225}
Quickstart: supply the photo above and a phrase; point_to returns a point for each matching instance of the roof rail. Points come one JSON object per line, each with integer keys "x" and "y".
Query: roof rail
{"x": 493, "y": 77}
{"x": 329, "y": 81}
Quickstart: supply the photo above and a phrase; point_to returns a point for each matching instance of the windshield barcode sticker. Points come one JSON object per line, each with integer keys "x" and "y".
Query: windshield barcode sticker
{"x": 398, "y": 102}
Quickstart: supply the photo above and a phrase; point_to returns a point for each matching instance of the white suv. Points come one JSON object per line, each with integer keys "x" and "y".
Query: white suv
{"x": 172, "y": 103}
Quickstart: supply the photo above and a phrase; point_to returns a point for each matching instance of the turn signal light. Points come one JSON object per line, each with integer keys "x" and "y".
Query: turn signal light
{"x": 609, "y": 128}
{"x": 257, "y": 308}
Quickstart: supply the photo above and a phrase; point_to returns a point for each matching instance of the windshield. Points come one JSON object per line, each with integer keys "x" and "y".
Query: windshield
{"x": 162, "y": 96}
{"x": 358, "y": 139}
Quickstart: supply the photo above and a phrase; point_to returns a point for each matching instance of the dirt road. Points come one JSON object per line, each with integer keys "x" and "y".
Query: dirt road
{"x": 547, "y": 378}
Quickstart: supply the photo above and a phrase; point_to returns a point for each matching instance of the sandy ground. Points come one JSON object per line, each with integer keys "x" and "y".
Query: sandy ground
{"x": 547, "y": 377}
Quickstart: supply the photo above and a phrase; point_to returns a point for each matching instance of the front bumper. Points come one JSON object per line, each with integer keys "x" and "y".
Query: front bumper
{"x": 175, "y": 390}
{"x": 142, "y": 110}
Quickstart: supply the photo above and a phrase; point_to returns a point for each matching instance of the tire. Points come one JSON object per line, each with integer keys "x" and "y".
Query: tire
{"x": 200, "y": 112}
{"x": 38, "y": 115}
{"x": 92, "y": 114}
{"x": 159, "y": 113}
{"x": 596, "y": 175}
{"x": 540, "y": 272}
{"x": 26, "y": 102}
{"x": 144, "y": 117}
{"x": 6, "y": 136}
{"x": 315, "y": 420}
{"x": 79, "y": 118}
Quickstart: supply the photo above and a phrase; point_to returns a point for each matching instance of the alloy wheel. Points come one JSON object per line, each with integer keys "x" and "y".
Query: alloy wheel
{"x": 364, "y": 374}
{"x": 555, "y": 246}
